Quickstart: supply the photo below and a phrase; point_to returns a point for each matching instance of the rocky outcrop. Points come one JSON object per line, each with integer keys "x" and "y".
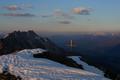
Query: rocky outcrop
{"x": 60, "y": 59}
{"x": 8, "y": 76}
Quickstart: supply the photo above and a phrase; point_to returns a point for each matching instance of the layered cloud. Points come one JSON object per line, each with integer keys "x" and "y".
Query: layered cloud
{"x": 60, "y": 13}
{"x": 17, "y": 7}
{"x": 46, "y": 15}
{"x": 65, "y": 16}
{"x": 12, "y": 7}
{"x": 18, "y": 14}
{"x": 64, "y": 22}
{"x": 82, "y": 11}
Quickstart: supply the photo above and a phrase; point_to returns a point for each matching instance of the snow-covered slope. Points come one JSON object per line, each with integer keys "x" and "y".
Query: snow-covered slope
{"x": 24, "y": 65}
{"x": 86, "y": 66}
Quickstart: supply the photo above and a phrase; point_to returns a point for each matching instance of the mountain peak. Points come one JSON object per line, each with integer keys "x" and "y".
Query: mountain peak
{"x": 19, "y": 40}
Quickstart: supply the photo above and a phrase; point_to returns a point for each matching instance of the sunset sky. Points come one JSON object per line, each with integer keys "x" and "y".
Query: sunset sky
{"x": 60, "y": 15}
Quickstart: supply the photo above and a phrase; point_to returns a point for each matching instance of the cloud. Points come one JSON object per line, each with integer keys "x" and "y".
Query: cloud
{"x": 64, "y": 22}
{"x": 17, "y": 7}
{"x": 82, "y": 11}
{"x": 60, "y": 13}
{"x": 46, "y": 16}
{"x": 12, "y": 7}
{"x": 18, "y": 14}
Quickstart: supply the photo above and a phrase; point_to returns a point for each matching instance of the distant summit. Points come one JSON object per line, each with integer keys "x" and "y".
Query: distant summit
{"x": 19, "y": 40}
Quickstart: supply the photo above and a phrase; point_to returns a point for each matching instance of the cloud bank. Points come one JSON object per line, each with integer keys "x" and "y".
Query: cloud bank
{"x": 82, "y": 11}
{"x": 60, "y": 13}
{"x": 64, "y": 22}
{"x": 18, "y": 14}
{"x": 17, "y": 7}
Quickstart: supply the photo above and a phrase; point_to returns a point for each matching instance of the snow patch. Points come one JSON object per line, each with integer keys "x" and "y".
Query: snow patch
{"x": 86, "y": 66}
{"x": 23, "y": 64}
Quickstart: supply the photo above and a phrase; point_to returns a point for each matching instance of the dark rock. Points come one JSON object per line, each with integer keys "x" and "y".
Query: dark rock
{"x": 59, "y": 58}
{"x": 8, "y": 76}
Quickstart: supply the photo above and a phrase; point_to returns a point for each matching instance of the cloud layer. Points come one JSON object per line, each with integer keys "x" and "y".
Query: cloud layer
{"x": 12, "y": 7}
{"x": 17, "y": 7}
{"x": 64, "y": 22}
{"x": 60, "y": 13}
{"x": 18, "y": 14}
{"x": 62, "y": 17}
{"x": 82, "y": 11}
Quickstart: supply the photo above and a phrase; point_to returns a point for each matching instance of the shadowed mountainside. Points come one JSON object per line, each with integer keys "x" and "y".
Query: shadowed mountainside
{"x": 18, "y": 40}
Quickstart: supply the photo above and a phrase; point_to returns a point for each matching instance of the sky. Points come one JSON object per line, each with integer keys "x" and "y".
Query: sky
{"x": 60, "y": 15}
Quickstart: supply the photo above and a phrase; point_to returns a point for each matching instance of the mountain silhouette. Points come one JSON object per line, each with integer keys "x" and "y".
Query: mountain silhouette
{"x": 19, "y": 40}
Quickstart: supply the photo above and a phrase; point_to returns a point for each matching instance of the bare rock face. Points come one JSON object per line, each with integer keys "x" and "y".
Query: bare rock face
{"x": 18, "y": 40}
{"x": 1, "y": 45}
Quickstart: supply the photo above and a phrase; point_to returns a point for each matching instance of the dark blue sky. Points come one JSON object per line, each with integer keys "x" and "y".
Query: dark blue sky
{"x": 60, "y": 15}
